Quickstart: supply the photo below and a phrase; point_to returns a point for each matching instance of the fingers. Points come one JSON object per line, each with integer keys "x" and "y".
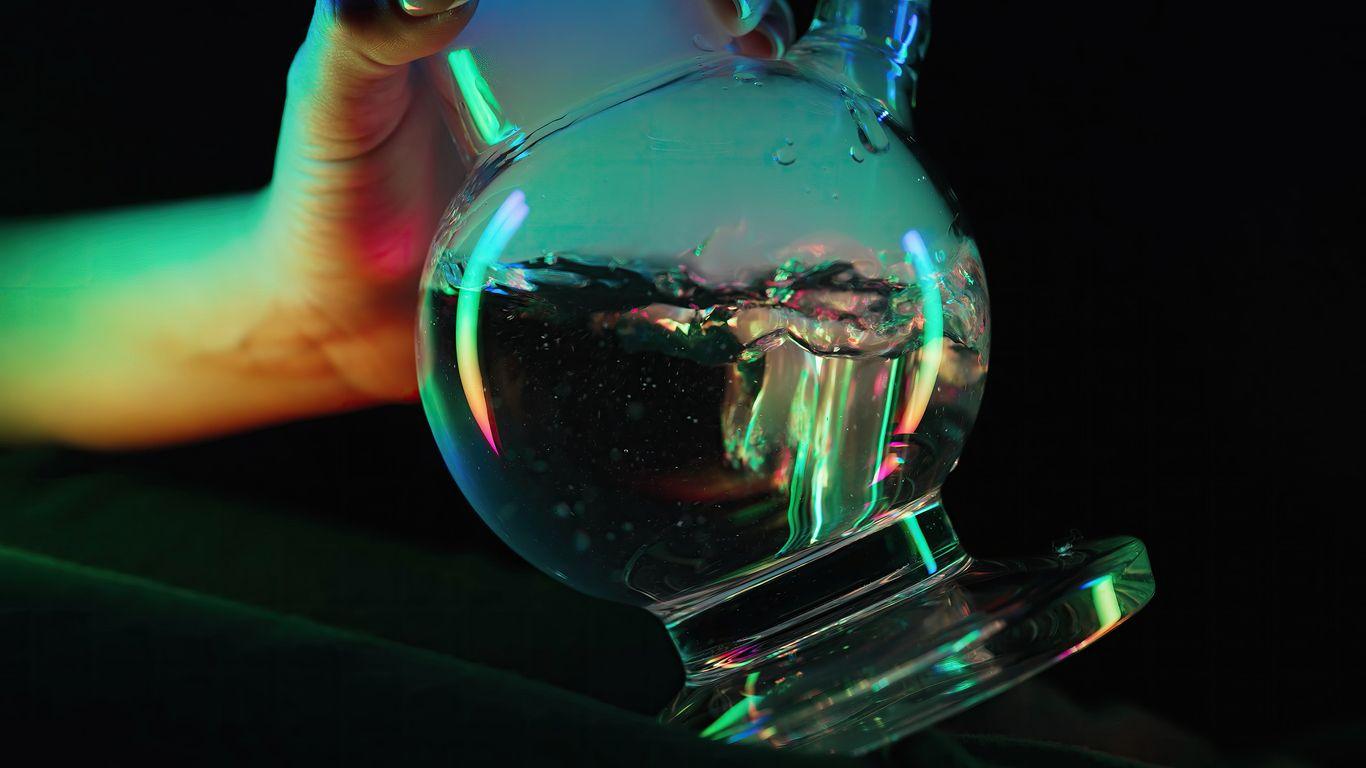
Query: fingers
{"x": 392, "y": 32}
{"x": 740, "y": 16}
{"x": 763, "y": 28}
{"x": 349, "y": 85}
{"x": 773, "y": 33}
{"x": 360, "y": 38}
{"x": 429, "y": 7}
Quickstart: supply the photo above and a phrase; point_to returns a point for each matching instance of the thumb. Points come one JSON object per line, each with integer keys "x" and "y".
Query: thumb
{"x": 763, "y": 28}
{"x": 349, "y": 84}
{"x": 740, "y": 16}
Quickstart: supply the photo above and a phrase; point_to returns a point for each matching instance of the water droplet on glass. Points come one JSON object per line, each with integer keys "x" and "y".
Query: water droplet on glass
{"x": 581, "y": 541}
{"x": 871, "y": 134}
{"x": 785, "y": 155}
{"x": 854, "y": 155}
{"x": 744, "y": 77}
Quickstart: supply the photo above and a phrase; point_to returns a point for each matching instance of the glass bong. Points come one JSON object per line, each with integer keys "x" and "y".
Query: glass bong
{"x": 701, "y": 334}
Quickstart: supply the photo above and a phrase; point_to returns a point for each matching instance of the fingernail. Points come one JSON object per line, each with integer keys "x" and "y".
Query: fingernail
{"x": 429, "y": 7}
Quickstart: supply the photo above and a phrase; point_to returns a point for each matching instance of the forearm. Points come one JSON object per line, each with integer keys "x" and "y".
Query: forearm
{"x": 152, "y": 325}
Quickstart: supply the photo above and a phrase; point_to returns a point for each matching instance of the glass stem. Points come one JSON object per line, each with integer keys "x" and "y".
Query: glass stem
{"x": 825, "y": 588}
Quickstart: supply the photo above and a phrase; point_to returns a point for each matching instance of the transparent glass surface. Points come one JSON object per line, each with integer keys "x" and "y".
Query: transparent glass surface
{"x": 664, "y": 351}
{"x": 709, "y": 343}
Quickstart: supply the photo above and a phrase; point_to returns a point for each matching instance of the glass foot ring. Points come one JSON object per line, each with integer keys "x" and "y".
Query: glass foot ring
{"x": 911, "y": 655}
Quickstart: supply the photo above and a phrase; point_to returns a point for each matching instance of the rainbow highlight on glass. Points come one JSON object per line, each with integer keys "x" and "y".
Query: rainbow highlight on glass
{"x": 485, "y": 111}
{"x": 1105, "y": 601}
{"x": 932, "y": 353}
{"x": 1109, "y": 611}
{"x": 504, "y": 224}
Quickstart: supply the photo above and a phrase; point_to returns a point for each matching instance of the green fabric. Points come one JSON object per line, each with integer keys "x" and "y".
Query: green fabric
{"x": 174, "y": 674}
{"x": 162, "y": 622}
{"x": 463, "y": 604}
{"x": 150, "y": 672}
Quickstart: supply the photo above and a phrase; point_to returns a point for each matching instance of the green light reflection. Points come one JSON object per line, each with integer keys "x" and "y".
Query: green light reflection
{"x": 1106, "y": 602}
{"x": 502, "y": 226}
{"x": 485, "y": 111}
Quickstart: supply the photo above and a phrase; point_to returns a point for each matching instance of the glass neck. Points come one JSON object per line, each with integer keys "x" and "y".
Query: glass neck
{"x": 874, "y": 45}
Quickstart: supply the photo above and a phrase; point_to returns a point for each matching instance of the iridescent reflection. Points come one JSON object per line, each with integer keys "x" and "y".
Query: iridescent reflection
{"x": 660, "y": 432}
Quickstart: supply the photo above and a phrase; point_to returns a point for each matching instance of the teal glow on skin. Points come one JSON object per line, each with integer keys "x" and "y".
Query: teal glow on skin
{"x": 164, "y": 323}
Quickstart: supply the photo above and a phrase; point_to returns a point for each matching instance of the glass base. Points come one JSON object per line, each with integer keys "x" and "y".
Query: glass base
{"x": 891, "y": 664}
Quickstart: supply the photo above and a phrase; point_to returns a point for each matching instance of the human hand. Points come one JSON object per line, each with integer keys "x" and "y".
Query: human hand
{"x": 362, "y": 174}
{"x": 192, "y": 319}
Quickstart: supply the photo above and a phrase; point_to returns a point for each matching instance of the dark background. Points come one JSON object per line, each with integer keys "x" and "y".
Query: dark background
{"x": 1167, "y": 198}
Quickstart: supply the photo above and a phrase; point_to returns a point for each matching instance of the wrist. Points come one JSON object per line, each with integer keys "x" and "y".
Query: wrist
{"x": 321, "y": 312}
{"x": 151, "y": 325}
